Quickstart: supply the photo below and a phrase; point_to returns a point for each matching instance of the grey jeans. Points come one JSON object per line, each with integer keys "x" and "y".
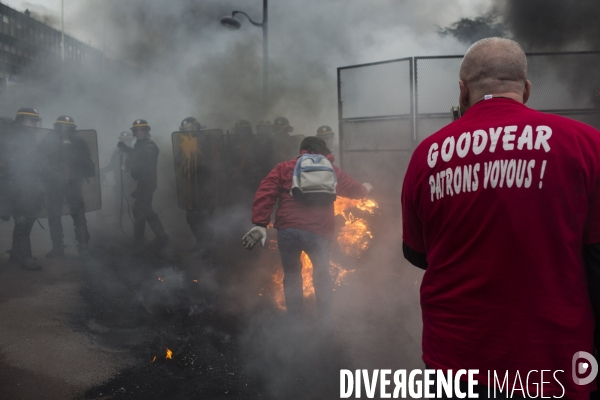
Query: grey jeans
{"x": 292, "y": 242}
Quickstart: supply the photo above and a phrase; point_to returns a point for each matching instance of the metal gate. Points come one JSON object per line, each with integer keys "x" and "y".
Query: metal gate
{"x": 386, "y": 108}
{"x": 376, "y": 122}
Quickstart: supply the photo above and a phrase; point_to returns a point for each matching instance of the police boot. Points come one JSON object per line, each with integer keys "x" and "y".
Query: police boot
{"x": 31, "y": 264}
{"x": 58, "y": 249}
{"x": 162, "y": 239}
{"x": 56, "y": 252}
{"x": 82, "y": 235}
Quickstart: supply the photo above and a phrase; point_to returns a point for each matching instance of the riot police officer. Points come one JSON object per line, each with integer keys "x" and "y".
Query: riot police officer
{"x": 326, "y": 133}
{"x": 142, "y": 162}
{"x": 199, "y": 218}
{"x": 64, "y": 180}
{"x": 264, "y": 127}
{"x": 284, "y": 147}
{"x": 123, "y": 183}
{"x": 26, "y": 196}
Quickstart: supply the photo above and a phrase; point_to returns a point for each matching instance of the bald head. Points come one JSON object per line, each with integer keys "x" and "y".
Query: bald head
{"x": 494, "y": 66}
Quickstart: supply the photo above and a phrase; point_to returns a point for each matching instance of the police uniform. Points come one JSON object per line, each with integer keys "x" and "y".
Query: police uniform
{"x": 326, "y": 134}
{"x": 284, "y": 147}
{"x": 243, "y": 157}
{"x": 117, "y": 165}
{"x": 198, "y": 218}
{"x": 26, "y": 196}
{"x": 142, "y": 162}
{"x": 64, "y": 180}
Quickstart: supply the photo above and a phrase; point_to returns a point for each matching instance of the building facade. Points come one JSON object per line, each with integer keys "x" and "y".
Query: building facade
{"x": 25, "y": 41}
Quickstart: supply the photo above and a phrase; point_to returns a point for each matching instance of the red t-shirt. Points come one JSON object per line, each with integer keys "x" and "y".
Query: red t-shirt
{"x": 502, "y": 201}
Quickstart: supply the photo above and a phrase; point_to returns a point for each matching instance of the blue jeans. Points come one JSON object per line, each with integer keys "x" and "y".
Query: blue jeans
{"x": 292, "y": 242}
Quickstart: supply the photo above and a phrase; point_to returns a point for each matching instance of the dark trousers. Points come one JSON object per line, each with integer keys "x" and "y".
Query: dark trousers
{"x": 143, "y": 212}
{"x": 26, "y": 201}
{"x": 72, "y": 193}
{"x": 292, "y": 242}
{"x": 21, "y": 244}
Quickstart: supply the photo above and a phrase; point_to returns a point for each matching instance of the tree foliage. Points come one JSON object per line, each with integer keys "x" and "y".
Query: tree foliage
{"x": 470, "y": 30}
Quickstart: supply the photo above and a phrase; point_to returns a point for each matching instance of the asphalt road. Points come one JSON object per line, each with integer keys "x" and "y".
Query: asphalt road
{"x": 44, "y": 354}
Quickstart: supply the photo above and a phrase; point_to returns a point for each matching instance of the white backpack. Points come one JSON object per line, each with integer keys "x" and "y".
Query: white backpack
{"x": 314, "y": 180}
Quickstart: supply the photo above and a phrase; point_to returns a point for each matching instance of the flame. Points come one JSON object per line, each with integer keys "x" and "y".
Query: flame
{"x": 279, "y": 295}
{"x": 338, "y": 272}
{"x": 353, "y": 239}
{"x": 154, "y": 359}
{"x": 195, "y": 280}
{"x": 169, "y": 354}
{"x": 160, "y": 279}
{"x": 307, "y": 276}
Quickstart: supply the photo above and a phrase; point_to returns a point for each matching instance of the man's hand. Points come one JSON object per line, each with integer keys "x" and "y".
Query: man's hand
{"x": 255, "y": 235}
{"x": 369, "y": 187}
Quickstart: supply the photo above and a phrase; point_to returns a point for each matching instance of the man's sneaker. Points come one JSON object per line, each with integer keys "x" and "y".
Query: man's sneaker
{"x": 56, "y": 252}
{"x": 31, "y": 264}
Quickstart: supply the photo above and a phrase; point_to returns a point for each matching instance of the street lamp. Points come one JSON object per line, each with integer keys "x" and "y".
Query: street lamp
{"x": 235, "y": 24}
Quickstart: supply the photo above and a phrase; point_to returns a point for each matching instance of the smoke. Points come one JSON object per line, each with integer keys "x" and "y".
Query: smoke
{"x": 174, "y": 60}
{"x": 554, "y": 25}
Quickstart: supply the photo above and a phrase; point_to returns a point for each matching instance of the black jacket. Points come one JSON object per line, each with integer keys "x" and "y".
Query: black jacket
{"x": 142, "y": 161}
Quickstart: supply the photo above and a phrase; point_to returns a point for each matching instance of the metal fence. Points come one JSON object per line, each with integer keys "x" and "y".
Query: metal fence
{"x": 376, "y": 118}
{"x": 387, "y": 108}
{"x": 563, "y": 83}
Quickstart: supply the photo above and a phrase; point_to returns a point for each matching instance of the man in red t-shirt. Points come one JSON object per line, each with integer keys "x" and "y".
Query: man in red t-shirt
{"x": 301, "y": 227}
{"x": 502, "y": 210}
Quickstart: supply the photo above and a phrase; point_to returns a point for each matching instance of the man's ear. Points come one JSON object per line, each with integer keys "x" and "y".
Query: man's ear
{"x": 464, "y": 95}
{"x": 526, "y": 91}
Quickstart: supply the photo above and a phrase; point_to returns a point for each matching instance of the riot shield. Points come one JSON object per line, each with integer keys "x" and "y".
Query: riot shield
{"x": 285, "y": 147}
{"x": 44, "y": 164}
{"x": 29, "y": 156}
{"x": 91, "y": 185}
{"x": 198, "y": 160}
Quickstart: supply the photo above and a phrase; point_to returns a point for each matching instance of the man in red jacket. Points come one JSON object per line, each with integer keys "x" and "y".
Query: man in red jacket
{"x": 301, "y": 227}
{"x": 502, "y": 210}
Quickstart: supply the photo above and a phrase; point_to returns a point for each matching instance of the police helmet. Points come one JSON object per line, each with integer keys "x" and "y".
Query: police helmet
{"x": 264, "y": 127}
{"x": 140, "y": 124}
{"x": 27, "y": 116}
{"x": 189, "y": 124}
{"x": 65, "y": 123}
{"x": 125, "y": 135}
{"x": 283, "y": 124}
{"x": 325, "y": 132}
{"x": 243, "y": 123}
{"x": 243, "y": 126}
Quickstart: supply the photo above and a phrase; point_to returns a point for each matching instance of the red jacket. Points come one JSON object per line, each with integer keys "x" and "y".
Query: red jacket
{"x": 293, "y": 214}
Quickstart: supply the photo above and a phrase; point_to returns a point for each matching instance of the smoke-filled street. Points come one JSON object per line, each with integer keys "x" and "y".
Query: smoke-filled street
{"x": 298, "y": 200}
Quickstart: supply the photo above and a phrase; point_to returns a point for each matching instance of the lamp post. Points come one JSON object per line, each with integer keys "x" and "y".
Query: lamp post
{"x": 235, "y": 24}
{"x": 62, "y": 30}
